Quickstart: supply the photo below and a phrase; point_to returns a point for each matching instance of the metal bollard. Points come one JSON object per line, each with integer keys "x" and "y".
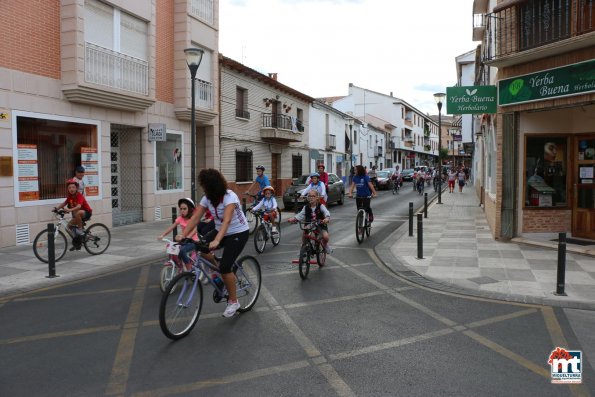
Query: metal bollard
{"x": 420, "y": 237}
{"x": 410, "y": 219}
{"x": 425, "y": 205}
{"x": 51, "y": 251}
{"x": 560, "y": 281}
{"x": 174, "y": 215}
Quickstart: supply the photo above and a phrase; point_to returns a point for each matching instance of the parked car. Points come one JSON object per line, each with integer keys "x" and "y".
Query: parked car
{"x": 336, "y": 191}
{"x": 383, "y": 181}
{"x": 407, "y": 175}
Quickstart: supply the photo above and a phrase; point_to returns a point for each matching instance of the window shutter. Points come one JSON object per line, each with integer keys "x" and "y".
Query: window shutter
{"x": 133, "y": 34}
{"x": 99, "y": 24}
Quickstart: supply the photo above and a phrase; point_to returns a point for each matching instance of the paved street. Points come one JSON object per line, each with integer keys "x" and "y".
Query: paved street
{"x": 354, "y": 328}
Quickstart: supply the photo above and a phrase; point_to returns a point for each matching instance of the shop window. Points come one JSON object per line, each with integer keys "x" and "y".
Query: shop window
{"x": 243, "y": 166}
{"x": 545, "y": 171}
{"x": 168, "y": 162}
{"x": 48, "y": 151}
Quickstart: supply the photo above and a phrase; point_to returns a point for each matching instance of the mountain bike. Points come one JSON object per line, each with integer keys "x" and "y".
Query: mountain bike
{"x": 95, "y": 238}
{"x": 362, "y": 223}
{"x": 179, "y": 311}
{"x": 312, "y": 245}
{"x": 264, "y": 231}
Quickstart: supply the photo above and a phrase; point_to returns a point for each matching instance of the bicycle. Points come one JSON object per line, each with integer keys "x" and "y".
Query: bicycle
{"x": 96, "y": 238}
{"x": 420, "y": 186}
{"x": 312, "y": 245}
{"x": 362, "y": 223}
{"x": 179, "y": 313}
{"x": 173, "y": 265}
{"x": 253, "y": 221}
{"x": 264, "y": 231}
{"x": 396, "y": 185}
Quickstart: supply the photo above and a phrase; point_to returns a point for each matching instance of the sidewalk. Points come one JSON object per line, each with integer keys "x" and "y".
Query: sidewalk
{"x": 460, "y": 255}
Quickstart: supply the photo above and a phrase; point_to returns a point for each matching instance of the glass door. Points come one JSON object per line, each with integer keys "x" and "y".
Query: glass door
{"x": 583, "y": 211}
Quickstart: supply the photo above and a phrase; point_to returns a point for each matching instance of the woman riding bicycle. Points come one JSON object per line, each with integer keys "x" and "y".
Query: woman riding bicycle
{"x": 230, "y": 225}
{"x": 364, "y": 189}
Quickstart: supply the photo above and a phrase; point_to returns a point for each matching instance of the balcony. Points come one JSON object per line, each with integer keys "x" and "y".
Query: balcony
{"x": 535, "y": 29}
{"x": 243, "y": 114}
{"x": 331, "y": 142}
{"x": 409, "y": 123}
{"x": 203, "y": 10}
{"x": 392, "y": 145}
{"x": 125, "y": 78}
{"x": 378, "y": 151}
{"x": 279, "y": 128}
{"x": 408, "y": 143}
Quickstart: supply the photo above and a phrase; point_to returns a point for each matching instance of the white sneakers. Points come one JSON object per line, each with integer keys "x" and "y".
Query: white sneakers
{"x": 231, "y": 309}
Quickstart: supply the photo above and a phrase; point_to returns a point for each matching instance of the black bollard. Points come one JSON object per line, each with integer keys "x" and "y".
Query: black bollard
{"x": 174, "y": 215}
{"x": 425, "y": 205}
{"x": 420, "y": 237}
{"x": 51, "y": 251}
{"x": 410, "y": 219}
{"x": 560, "y": 281}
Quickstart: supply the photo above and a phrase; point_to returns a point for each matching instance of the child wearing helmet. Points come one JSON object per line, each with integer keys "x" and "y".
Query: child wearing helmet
{"x": 269, "y": 205}
{"x": 81, "y": 178}
{"x": 76, "y": 204}
{"x": 316, "y": 184}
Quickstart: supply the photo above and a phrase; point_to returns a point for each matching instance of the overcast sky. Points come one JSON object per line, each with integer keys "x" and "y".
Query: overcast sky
{"x": 318, "y": 47}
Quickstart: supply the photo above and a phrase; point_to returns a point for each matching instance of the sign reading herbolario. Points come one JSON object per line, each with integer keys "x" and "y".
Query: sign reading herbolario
{"x": 575, "y": 79}
{"x": 28, "y": 176}
{"x": 476, "y": 99}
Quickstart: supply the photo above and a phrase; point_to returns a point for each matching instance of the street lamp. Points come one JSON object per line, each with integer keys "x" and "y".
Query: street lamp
{"x": 439, "y": 98}
{"x": 350, "y": 151}
{"x": 193, "y": 58}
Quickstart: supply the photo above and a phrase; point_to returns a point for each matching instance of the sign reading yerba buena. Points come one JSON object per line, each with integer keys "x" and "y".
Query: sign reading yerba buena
{"x": 471, "y": 99}
{"x": 575, "y": 79}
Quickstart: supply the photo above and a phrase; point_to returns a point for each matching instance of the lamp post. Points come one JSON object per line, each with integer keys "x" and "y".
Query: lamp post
{"x": 439, "y": 98}
{"x": 193, "y": 58}
{"x": 350, "y": 151}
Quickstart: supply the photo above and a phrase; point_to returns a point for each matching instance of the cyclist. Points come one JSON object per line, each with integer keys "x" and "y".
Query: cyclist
{"x": 231, "y": 227}
{"x": 316, "y": 184}
{"x": 262, "y": 180}
{"x": 315, "y": 210}
{"x": 396, "y": 178}
{"x": 76, "y": 204}
{"x": 419, "y": 182}
{"x": 323, "y": 175}
{"x": 269, "y": 205}
{"x": 373, "y": 176}
{"x": 364, "y": 189}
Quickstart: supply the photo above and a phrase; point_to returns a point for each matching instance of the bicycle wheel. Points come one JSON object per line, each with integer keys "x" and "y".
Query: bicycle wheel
{"x": 40, "y": 245}
{"x": 168, "y": 272}
{"x": 252, "y": 221}
{"x": 320, "y": 255}
{"x": 248, "y": 282}
{"x": 278, "y": 219}
{"x": 368, "y": 227}
{"x": 360, "y": 226}
{"x": 260, "y": 239}
{"x": 178, "y": 312}
{"x": 276, "y": 236}
{"x": 97, "y": 238}
{"x": 304, "y": 262}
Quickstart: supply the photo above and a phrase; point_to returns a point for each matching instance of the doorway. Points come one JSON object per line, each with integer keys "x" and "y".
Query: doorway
{"x": 583, "y": 203}
{"x": 275, "y": 171}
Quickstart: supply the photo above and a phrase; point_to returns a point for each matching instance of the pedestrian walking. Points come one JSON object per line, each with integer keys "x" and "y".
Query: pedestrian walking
{"x": 452, "y": 176}
{"x": 461, "y": 177}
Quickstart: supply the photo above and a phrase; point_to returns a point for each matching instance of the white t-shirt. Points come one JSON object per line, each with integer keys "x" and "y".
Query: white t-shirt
{"x": 82, "y": 183}
{"x": 238, "y": 222}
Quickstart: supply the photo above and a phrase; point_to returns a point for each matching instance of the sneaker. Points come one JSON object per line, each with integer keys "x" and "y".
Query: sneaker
{"x": 79, "y": 232}
{"x": 231, "y": 309}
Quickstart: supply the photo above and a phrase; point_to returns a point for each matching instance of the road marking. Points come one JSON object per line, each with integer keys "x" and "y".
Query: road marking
{"x": 61, "y": 334}
{"x": 239, "y": 377}
{"x": 508, "y": 353}
{"x": 123, "y": 359}
{"x": 496, "y": 319}
{"x": 73, "y": 294}
{"x": 391, "y": 345}
{"x": 335, "y": 380}
{"x": 332, "y": 300}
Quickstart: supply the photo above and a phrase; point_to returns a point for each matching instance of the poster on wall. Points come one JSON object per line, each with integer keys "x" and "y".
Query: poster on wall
{"x": 90, "y": 160}
{"x": 28, "y": 177}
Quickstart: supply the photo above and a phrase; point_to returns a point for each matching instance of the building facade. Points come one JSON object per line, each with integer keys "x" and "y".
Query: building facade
{"x": 543, "y": 137}
{"x": 104, "y": 85}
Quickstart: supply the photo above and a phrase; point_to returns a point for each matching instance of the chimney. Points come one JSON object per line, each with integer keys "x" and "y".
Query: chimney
{"x": 273, "y": 76}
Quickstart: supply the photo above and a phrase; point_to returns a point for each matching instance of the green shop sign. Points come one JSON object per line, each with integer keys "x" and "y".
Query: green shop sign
{"x": 471, "y": 99}
{"x": 575, "y": 79}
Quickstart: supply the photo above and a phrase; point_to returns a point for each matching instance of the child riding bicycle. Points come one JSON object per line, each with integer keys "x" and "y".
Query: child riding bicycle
{"x": 315, "y": 211}
{"x": 76, "y": 204}
{"x": 269, "y": 206}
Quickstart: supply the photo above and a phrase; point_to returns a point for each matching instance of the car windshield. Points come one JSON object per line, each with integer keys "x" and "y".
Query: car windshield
{"x": 407, "y": 171}
{"x": 382, "y": 174}
{"x": 302, "y": 180}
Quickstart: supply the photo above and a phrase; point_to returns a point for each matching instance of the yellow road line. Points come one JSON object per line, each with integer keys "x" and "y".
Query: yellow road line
{"x": 73, "y": 294}
{"x": 60, "y": 334}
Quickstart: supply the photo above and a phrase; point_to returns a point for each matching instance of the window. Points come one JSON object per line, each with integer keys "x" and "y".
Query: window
{"x": 47, "y": 152}
{"x": 242, "y": 103}
{"x": 545, "y": 171}
{"x": 296, "y": 166}
{"x": 243, "y": 166}
{"x": 168, "y": 162}
{"x": 300, "y": 119}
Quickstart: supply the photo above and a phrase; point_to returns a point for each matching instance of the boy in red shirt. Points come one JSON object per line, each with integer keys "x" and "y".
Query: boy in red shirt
{"x": 76, "y": 204}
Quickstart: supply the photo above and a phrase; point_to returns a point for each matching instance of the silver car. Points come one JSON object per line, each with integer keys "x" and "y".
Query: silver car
{"x": 336, "y": 191}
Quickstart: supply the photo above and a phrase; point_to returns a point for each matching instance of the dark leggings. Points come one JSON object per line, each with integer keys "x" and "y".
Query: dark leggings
{"x": 364, "y": 202}
{"x": 233, "y": 245}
